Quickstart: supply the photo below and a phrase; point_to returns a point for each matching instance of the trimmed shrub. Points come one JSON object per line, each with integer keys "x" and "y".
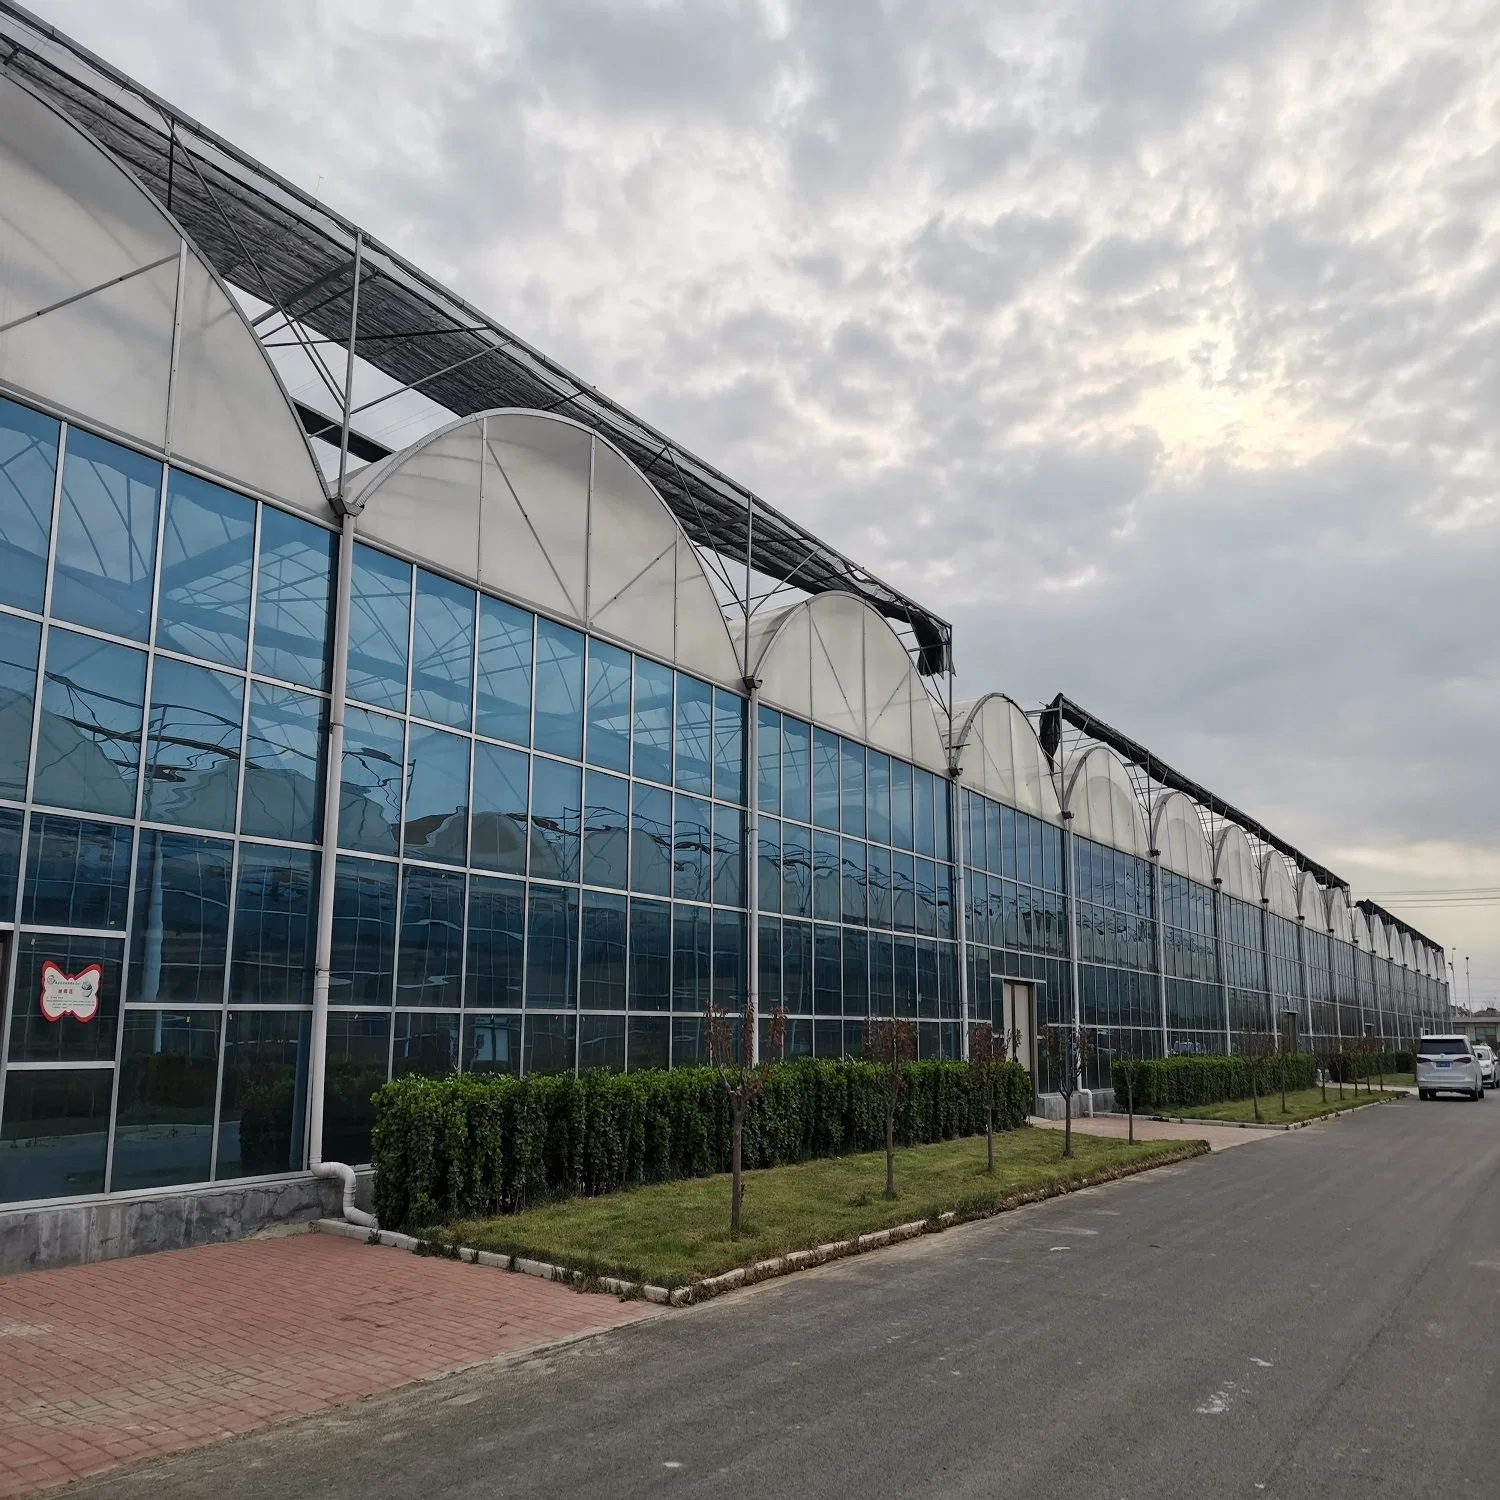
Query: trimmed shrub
{"x": 1347, "y": 1066}
{"x": 474, "y": 1145}
{"x": 1183, "y": 1082}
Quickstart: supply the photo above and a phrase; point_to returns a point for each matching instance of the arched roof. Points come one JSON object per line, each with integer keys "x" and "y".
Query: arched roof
{"x": 1103, "y": 802}
{"x": 1407, "y": 952}
{"x": 542, "y": 510}
{"x": 1379, "y": 943}
{"x": 1234, "y": 864}
{"x": 1360, "y": 928}
{"x": 1312, "y": 903}
{"x": 1179, "y": 835}
{"x": 1340, "y": 921}
{"x": 834, "y": 660}
{"x": 1276, "y": 887}
{"x": 75, "y": 225}
{"x": 999, "y": 754}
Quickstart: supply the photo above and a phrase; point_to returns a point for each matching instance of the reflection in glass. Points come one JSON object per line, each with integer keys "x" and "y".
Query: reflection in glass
{"x": 497, "y": 944}
{"x": 729, "y": 881}
{"x": 856, "y": 965}
{"x": 729, "y": 746}
{"x": 601, "y": 1043}
{"x": 608, "y": 726}
{"x": 826, "y": 773}
{"x": 796, "y": 870}
{"x": 208, "y": 545}
{"x": 77, "y": 874}
{"x": 878, "y": 797}
{"x": 499, "y": 831}
{"x": 650, "y": 955}
{"x": 10, "y": 856}
{"x": 169, "y": 1074}
{"x": 437, "y": 796}
{"x": 692, "y": 958}
{"x": 442, "y": 666}
{"x": 769, "y": 955}
{"x": 828, "y": 895}
{"x": 429, "y": 962}
{"x": 852, "y": 776}
{"x": 274, "y": 905}
{"x": 550, "y": 1044}
{"x": 425, "y": 1044}
{"x": 358, "y": 1054}
{"x": 363, "y": 962}
{"x": 284, "y": 764}
{"x": 19, "y": 644}
{"x": 263, "y": 1109}
{"x": 768, "y": 869}
{"x": 796, "y": 770}
{"x": 55, "y": 1133}
{"x": 106, "y": 537}
{"x": 379, "y": 621}
{"x": 179, "y": 939}
{"x": 551, "y": 948}
{"x": 601, "y": 962}
{"x": 36, "y": 1038}
{"x": 559, "y": 690}
{"x": 901, "y": 811}
{"x": 695, "y": 712}
{"x": 729, "y": 958}
{"x": 492, "y": 1044}
{"x": 653, "y": 721}
{"x": 28, "y": 468}
{"x": 827, "y": 995}
{"x": 370, "y": 798}
{"x": 692, "y": 867}
{"x": 878, "y": 884}
{"x": 294, "y": 605}
{"x": 89, "y": 744}
{"x": 796, "y": 967}
{"x": 650, "y": 840}
{"x": 556, "y": 812}
{"x": 606, "y": 830}
{"x": 503, "y": 700}
{"x": 648, "y": 1043}
{"x": 855, "y": 905}
{"x": 768, "y": 757}
{"x": 193, "y": 753}
{"x": 882, "y": 974}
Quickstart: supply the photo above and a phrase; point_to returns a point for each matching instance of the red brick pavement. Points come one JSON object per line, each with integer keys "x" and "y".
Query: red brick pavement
{"x": 104, "y": 1364}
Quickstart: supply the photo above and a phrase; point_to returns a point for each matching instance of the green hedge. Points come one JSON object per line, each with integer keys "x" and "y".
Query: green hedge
{"x": 1351, "y": 1065}
{"x": 1165, "y": 1082}
{"x": 473, "y": 1145}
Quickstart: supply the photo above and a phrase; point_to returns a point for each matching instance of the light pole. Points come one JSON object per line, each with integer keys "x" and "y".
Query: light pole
{"x": 1468, "y": 986}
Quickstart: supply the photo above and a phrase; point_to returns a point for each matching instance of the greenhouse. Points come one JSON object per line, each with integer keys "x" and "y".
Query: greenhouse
{"x": 511, "y": 749}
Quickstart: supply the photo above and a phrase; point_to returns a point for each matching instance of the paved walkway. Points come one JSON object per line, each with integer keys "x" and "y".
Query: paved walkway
{"x": 1219, "y": 1137}
{"x": 106, "y": 1364}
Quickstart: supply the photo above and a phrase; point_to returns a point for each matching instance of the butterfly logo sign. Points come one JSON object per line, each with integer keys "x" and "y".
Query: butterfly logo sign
{"x": 75, "y": 995}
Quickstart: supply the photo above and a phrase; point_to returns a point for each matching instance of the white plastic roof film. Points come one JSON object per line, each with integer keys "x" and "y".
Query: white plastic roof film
{"x": 1180, "y": 839}
{"x": 1104, "y": 805}
{"x": 541, "y": 510}
{"x": 1234, "y": 865}
{"x": 1000, "y": 756}
{"x": 1340, "y": 921}
{"x": 1312, "y": 903}
{"x": 1276, "y": 886}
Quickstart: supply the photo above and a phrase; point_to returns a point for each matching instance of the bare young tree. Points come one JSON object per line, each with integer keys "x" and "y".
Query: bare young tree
{"x": 1258, "y": 1049}
{"x": 1325, "y": 1062}
{"x": 1129, "y": 1068}
{"x": 1068, "y": 1050}
{"x": 987, "y": 1065}
{"x": 892, "y": 1047}
{"x": 743, "y": 1081}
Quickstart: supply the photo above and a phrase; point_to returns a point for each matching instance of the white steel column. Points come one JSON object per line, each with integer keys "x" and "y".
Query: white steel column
{"x": 1161, "y": 945}
{"x": 1218, "y": 909}
{"x": 752, "y": 863}
{"x": 959, "y": 855}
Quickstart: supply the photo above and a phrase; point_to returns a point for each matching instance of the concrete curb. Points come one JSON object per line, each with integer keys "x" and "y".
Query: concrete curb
{"x": 765, "y": 1270}
{"x": 1334, "y": 1114}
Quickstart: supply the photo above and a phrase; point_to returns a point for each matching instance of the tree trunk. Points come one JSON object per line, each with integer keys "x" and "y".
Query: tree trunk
{"x": 1341, "y": 1075}
{"x": 890, "y": 1150}
{"x": 1067, "y": 1124}
{"x": 737, "y": 1180}
{"x": 1324, "y": 1078}
{"x": 989, "y": 1133}
{"x": 1130, "y": 1111}
{"x": 1254, "y": 1096}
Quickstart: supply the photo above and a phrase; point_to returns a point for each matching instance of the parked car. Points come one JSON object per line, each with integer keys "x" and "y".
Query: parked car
{"x": 1448, "y": 1065}
{"x": 1487, "y": 1063}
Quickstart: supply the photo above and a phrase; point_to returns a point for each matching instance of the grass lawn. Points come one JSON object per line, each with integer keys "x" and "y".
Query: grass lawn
{"x": 673, "y": 1233}
{"x": 1301, "y": 1104}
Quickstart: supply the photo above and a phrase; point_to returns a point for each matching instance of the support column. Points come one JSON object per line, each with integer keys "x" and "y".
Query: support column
{"x": 1070, "y": 892}
{"x": 959, "y": 855}
{"x": 1223, "y": 968}
{"x": 1161, "y": 945}
{"x": 752, "y": 865}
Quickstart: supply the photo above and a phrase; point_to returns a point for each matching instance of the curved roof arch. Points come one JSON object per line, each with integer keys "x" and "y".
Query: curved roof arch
{"x": 835, "y": 661}
{"x": 1103, "y": 802}
{"x": 542, "y": 510}
{"x": 999, "y": 754}
{"x": 113, "y": 314}
{"x": 1340, "y": 918}
{"x": 1234, "y": 865}
{"x": 1379, "y": 941}
{"x": 1276, "y": 887}
{"x": 1178, "y": 834}
{"x": 1312, "y": 902}
{"x": 1408, "y": 953}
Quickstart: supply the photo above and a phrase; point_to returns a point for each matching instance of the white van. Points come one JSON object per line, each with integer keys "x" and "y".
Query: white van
{"x": 1447, "y": 1065}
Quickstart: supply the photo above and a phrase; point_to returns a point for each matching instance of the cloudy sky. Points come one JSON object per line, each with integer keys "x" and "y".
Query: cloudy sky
{"x": 1156, "y": 343}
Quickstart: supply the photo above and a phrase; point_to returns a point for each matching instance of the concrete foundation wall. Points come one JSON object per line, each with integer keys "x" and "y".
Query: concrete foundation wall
{"x": 1085, "y": 1102}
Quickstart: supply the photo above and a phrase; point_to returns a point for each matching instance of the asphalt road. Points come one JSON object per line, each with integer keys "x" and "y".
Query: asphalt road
{"x": 1316, "y": 1314}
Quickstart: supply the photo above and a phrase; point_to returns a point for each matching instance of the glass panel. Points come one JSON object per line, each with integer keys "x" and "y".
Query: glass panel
{"x": 796, "y": 870}
{"x": 825, "y": 773}
{"x": 729, "y": 878}
{"x": 729, "y": 959}
{"x": 10, "y": 857}
{"x": 692, "y": 868}
{"x": 425, "y": 1045}
{"x": 729, "y": 746}
{"x": 274, "y": 905}
{"x": 653, "y": 721}
{"x": 882, "y": 974}
{"x": 77, "y": 874}
{"x": 67, "y": 998}
{"x": 559, "y": 690}
{"x": 650, "y": 841}
{"x": 370, "y": 794}
{"x": 55, "y": 1133}
{"x": 601, "y": 963}
{"x": 901, "y": 811}
{"x": 878, "y": 797}
{"x": 924, "y": 790}
{"x": 855, "y": 908}
{"x": 796, "y": 967}
{"x": 903, "y": 892}
{"x": 429, "y": 963}
{"x": 442, "y": 649}
{"x": 650, "y": 955}
{"x": 828, "y": 897}
{"x": 19, "y": 645}
{"x": 856, "y": 972}
{"x": 926, "y": 892}
{"x": 169, "y": 1074}
{"x": 284, "y": 764}
{"x": 1008, "y": 847}
{"x": 358, "y": 1054}
{"x": 551, "y": 948}
{"x": 769, "y": 955}
{"x": 906, "y": 977}
{"x": 556, "y": 812}
{"x": 193, "y": 756}
{"x": 264, "y": 1093}
{"x": 878, "y": 880}
{"x": 499, "y": 837}
{"x": 492, "y": 1044}
{"x": 692, "y": 958}
{"x": 796, "y": 770}
{"x": 649, "y": 1043}
{"x": 993, "y": 842}
{"x": 497, "y": 943}
{"x": 550, "y": 1045}
{"x": 106, "y": 537}
{"x": 687, "y": 1041}
{"x": 852, "y": 772}
{"x": 207, "y": 549}
{"x": 695, "y": 707}
{"x": 503, "y": 700}
{"x": 179, "y": 940}
{"x": 28, "y": 468}
{"x": 363, "y": 962}
{"x": 437, "y": 796}
{"x": 89, "y": 745}
{"x": 827, "y": 990}
{"x": 606, "y": 830}
{"x": 768, "y": 755}
{"x": 601, "y": 1043}
{"x": 768, "y": 870}
{"x": 609, "y": 707}
{"x": 942, "y": 820}
{"x": 379, "y": 622}
{"x": 294, "y": 599}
